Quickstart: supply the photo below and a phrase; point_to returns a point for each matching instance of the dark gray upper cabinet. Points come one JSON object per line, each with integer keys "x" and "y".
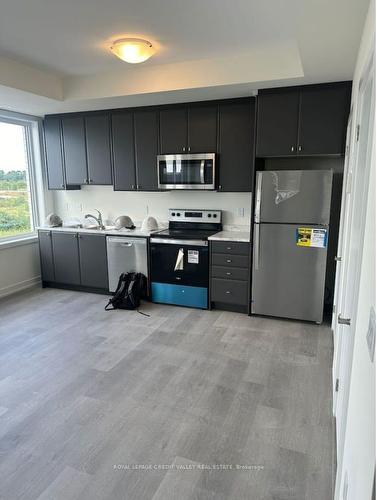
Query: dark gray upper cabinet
{"x": 74, "y": 150}
{"x": 93, "y": 260}
{"x": 236, "y": 145}
{"x": 323, "y": 119}
{"x": 277, "y": 124}
{"x": 173, "y": 130}
{"x": 66, "y": 258}
{"x": 46, "y": 256}
{"x": 202, "y": 128}
{"x": 146, "y": 149}
{"x": 54, "y": 157}
{"x": 303, "y": 121}
{"x": 123, "y": 151}
{"x": 97, "y": 133}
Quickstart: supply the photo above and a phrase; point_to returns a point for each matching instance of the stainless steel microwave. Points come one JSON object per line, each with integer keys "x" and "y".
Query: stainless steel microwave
{"x": 187, "y": 171}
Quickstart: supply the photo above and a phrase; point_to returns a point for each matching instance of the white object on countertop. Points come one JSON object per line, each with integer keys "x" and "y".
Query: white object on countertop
{"x": 124, "y": 221}
{"x": 53, "y": 220}
{"x": 149, "y": 224}
{"x": 241, "y": 236}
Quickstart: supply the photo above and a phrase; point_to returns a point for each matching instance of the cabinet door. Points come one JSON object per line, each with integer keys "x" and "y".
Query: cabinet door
{"x": 93, "y": 260}
{"x": 277, "y": 124}
{"x": 236, "y": 142}
{"x": 323, "y": 120}
{"x": 173, "y": 130}
{"x": 123, "y": 151}
{"x": 66, "y": 258}
{"x": 202, "y": 128}
{"x": 97, "y": 131}
{"x": 54, "y": 157}
{"x": 146, "y": 144}
{"x": 74, "y": 150}
{"x": 45, "y": 251}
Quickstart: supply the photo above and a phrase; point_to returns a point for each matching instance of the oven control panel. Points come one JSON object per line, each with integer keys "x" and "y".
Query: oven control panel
{"x": 190, "y": 215}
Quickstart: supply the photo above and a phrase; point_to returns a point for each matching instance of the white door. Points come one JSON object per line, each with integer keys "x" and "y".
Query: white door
{"x": 352, "y": 246}
{"x": 339, "y": 277}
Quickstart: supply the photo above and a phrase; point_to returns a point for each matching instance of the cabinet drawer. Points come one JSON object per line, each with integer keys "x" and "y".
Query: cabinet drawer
{"x": 230, "y": 273}
{"x": 229, "y": 291}
{"x": 220, "y": 259}
{"x": 231, "y": 247}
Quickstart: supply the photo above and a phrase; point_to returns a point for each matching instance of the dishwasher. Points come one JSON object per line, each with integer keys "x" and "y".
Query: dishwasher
{"x": 125, "y": 255}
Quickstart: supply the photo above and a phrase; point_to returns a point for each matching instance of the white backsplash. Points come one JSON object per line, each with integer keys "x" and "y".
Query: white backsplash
{"x": 75, "y": 204}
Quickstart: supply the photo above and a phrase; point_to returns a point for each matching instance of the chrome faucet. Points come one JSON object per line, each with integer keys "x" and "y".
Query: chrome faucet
{"x": 97, "y": 219}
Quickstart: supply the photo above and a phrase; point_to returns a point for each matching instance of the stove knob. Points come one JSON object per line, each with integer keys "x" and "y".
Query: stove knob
{"x": 209, "y": 215}
{"x": 215, "y": 215}
{"x": 173, "y": 214}
{"x": 178, "y": 214}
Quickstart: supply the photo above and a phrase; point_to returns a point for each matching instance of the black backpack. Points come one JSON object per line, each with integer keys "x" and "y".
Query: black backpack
{"x": 131, "y": 288}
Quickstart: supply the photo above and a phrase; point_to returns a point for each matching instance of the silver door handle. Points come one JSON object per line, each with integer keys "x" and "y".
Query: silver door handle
{"x": 256, "y": 246}
{"x": 126, "y": 244}
{"x": 258, "y": 196}
{"x": 344, "y": 321}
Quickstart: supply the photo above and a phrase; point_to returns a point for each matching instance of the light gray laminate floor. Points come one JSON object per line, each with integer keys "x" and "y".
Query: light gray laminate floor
{"x": 84, "y": 392}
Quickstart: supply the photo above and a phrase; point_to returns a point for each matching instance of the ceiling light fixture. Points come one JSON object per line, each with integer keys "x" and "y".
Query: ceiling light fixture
{"x": 132, "y": 50}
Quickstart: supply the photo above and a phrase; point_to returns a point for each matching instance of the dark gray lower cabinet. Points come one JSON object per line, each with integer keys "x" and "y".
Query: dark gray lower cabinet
{"x": 230, "y": 275}
{"x": 93, "y": 260}
{"x": 46, "y": 256}
{"x": 76, "y": 259}
{"x": 66, "y": 258}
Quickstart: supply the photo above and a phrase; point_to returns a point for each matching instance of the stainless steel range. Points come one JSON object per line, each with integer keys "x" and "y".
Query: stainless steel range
{"x": 180, "y": 260}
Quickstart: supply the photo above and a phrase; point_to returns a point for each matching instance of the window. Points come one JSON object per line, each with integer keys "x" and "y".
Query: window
{"x": 17, "y": 199}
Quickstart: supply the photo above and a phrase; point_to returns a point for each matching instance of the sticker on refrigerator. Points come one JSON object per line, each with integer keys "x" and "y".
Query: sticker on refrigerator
{"x": 193, "y": 256}
{"x": 311, "y": 237}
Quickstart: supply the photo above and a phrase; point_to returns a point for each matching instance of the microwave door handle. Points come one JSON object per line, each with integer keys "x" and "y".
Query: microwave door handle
{"x": 202, "y": 172}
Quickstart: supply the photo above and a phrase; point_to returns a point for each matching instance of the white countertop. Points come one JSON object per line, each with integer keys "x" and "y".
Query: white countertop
{"x": 110, "y": 231}
{"x": 242, "y": 236}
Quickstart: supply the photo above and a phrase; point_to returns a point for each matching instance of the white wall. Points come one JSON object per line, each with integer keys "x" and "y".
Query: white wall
{"x": 137, "y": 205}
{"x": 359, "y": 449}
{"x": 19, "y": 268}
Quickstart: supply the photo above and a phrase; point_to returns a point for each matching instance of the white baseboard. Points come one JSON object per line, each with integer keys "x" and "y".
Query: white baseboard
{"x": 21, "y": 285}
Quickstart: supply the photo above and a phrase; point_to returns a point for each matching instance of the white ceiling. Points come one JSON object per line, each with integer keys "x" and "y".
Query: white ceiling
{"x": 69, "y": 39}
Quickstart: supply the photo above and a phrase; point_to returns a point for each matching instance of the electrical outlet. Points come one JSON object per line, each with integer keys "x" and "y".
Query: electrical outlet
{"x": 240, "y": 212}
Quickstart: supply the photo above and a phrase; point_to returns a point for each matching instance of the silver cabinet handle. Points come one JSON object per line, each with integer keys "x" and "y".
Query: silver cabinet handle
{"x": 299, "y": 148}
{"x": 183, "y": 149}
{"x": 133, "y": 186}
{"x": 229, "y": 274}
{"x": 229, "y": 248}
{"x": 220, "y": 187}
{"x": 344, "y": 321}
{"x": 292, "y": 148}
{"x": 228, "y": 292}
{"x": 229, "y": 260}
{"x": 189, "y": 149}
{"x": 126, "y": 244}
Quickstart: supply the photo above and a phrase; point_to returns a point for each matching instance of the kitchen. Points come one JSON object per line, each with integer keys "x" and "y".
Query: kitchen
{"x": 187, "y": 274}
{"x": 179, "y": 152}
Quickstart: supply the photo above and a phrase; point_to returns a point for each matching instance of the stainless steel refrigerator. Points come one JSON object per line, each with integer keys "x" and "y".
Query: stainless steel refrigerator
{"x": 291, "y": 224}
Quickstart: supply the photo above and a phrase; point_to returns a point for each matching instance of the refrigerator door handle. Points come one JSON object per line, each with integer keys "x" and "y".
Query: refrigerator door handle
{"x": 258, "y": 196}
{"x": 256, "y": 245}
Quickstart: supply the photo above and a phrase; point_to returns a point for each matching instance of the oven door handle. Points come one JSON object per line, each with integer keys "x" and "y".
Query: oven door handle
{"x": 191, "y": 243}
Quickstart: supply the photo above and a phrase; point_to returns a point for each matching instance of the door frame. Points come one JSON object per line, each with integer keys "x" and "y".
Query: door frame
{"x": 357, "y": 183}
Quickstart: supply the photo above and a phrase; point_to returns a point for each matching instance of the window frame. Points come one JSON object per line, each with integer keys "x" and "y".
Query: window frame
{"x": 32, "y": 135}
